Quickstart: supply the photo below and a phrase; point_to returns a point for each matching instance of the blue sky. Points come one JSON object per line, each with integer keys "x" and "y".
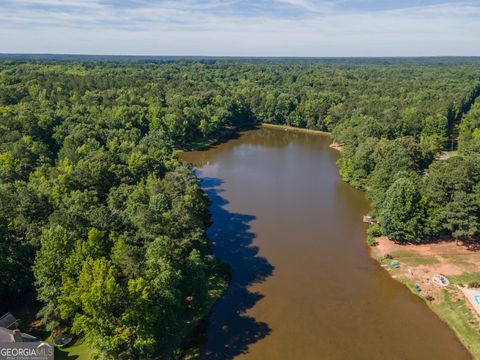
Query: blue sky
{"x": 242, "y": 27}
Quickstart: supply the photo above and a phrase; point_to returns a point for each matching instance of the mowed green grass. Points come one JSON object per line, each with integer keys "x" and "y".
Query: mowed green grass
{"x": 414, "y": 261}
{"x": 451, "y": 305}
{"x": 77, "y": 351}
{"x": 459, "y": 318}
{"x": 465, "y": 278}
{"x": 411, "y": 258}
{"x": 455, "y": 312}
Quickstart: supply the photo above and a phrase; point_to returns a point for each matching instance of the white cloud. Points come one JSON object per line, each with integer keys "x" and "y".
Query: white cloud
{"x": 215, "y": 27}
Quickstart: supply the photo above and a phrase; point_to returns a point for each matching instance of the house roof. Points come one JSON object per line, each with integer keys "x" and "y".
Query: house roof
{"x": 9, "y": 336}
{"x": 8, "y": 321}
{"x": 9, "y": 332}
{"x": 6, "y": 335}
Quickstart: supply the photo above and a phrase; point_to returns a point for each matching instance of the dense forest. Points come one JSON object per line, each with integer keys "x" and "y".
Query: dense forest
{"x": 103, "y": 225}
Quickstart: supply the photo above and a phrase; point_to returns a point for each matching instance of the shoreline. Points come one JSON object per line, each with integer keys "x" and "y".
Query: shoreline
{"x": 450, "y": 306}
{"x": 295, "y": 129}
{"x": 443, "y": 307}
{"x": 419, "y": 263}
{"x": 335, "y": 146}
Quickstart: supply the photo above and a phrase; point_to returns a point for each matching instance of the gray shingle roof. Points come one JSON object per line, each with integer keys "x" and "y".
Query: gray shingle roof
{"x": 6, "y": 336}
{"x": 8, "y": 321}
{"x": 9, "y": 332}
{"x": 9, "y": 336}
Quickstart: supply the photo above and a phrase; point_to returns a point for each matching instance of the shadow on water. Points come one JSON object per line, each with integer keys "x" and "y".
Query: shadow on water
{"x": 231, "y": 330}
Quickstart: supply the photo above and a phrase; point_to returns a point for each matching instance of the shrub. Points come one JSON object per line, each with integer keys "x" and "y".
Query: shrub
{"x": 374, "y": 230}
{"x": 371, "y": 241}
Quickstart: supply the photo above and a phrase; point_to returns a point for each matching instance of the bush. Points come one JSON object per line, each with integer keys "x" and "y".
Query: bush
{"x": 371, "y": 241}
{"x": 374, "y": 230}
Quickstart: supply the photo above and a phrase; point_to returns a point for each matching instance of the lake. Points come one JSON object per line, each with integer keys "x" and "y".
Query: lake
{"x": 303, "y": 284}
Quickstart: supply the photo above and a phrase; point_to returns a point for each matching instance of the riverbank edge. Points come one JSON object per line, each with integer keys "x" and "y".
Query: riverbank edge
{"x": 205, "y": 144}
{"x": 194, "y": 354}
{"x": 455, "y": 323}
{"x": 295, "y": 129}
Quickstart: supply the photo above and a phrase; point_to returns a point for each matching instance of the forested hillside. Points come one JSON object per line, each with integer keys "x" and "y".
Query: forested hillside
{"x": 102, "y": 224}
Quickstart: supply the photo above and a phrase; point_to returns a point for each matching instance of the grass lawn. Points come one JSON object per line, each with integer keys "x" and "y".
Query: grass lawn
{"x": 458, "y": 316}
{"x": 458, "y": 264}
{"x": 465, "y": 278}
{"x": 411, "y": 258}
{"x": 414, "y": 261}
{"x": 460, "y": 261}
{"x": 77, "y": 351}
{"x": 452, "y": 308}
{"x": 403, "y": 253}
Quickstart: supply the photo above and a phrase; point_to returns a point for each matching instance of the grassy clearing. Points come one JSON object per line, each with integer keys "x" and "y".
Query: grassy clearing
{"x": 458, "y": 260}
{"x": 415, "y": 261}
{"x": 465, "y": 278}
{"x": 448, "y": 303}
{"x": 412, "y": 258}
{"x": 292, "y": 128}
{"x": 78, "y": 351}
{"x": 403, "y": 253}
{"x": 451, "y": 307}
{"x": 458, "y": 316}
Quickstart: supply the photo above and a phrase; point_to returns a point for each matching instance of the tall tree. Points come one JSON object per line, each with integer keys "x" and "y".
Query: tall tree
{"x": 462, "y": 215}
{"x": 402, "y": 212}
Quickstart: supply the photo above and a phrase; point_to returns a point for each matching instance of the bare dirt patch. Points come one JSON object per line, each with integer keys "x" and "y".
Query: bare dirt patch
{"x": 419, "y": 264}
{"x": 336, "y": 146}
{"x": 444, "y": 258}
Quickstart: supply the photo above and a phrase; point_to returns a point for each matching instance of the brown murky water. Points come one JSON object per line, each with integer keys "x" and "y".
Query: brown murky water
{"x": 304, "y": 286}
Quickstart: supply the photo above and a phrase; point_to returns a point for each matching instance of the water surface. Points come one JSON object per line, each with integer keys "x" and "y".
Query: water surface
{"x": 303, "y": 285}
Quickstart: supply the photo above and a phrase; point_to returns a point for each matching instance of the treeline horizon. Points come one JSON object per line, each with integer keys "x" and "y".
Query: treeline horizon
{"x": 155, "y": 59}
{"x": 103, "y": 225}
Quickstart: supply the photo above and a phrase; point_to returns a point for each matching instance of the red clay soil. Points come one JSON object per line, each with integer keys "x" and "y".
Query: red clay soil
{"x": 336, "y": 146}
{"x": 451, "y": 259}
